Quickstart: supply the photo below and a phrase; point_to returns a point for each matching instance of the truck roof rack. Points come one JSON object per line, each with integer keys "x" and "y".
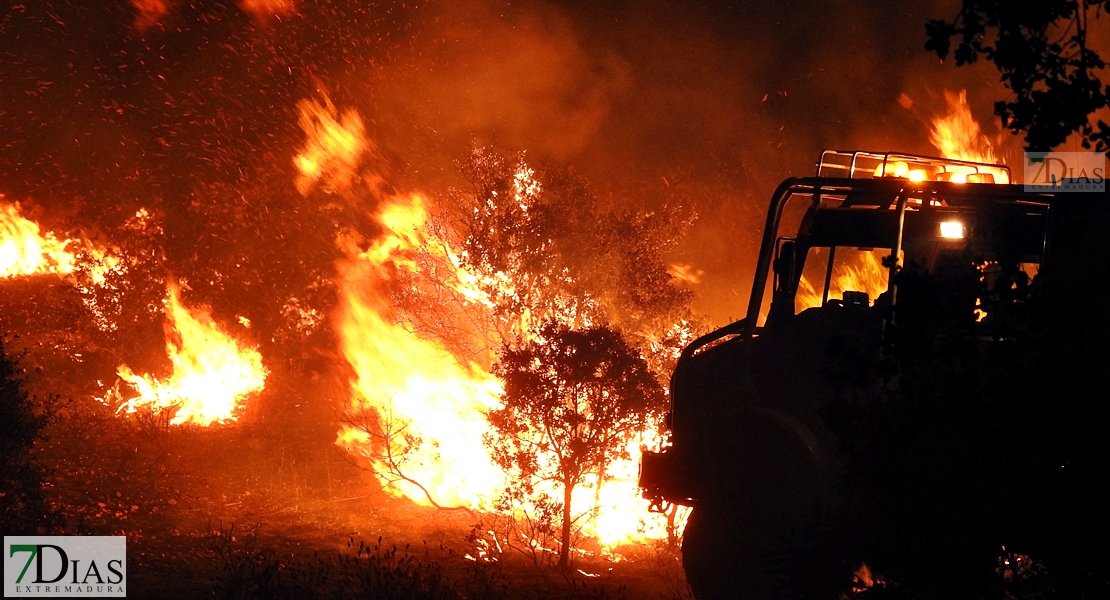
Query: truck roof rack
{"x": 860, "y": 164}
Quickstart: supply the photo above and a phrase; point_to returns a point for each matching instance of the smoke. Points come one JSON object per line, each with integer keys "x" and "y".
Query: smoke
{"x": 149, "y": 12}
{"x": 119, "y": 105}
{"x": 521, "y": 76}
{"x": 694, "y": 102}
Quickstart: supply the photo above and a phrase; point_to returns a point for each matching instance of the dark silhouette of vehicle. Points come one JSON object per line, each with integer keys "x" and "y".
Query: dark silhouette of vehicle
{"x": 889, "y": 246}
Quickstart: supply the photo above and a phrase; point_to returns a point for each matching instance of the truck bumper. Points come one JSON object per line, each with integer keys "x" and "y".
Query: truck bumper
{"x": 662, "y": 479}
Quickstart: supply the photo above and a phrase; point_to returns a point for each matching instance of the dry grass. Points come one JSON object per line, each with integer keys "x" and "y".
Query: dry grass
{"x": 241, "y": 512}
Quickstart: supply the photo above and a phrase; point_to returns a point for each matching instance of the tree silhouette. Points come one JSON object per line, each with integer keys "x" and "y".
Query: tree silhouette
{"x": 572, "y": 398}
{"x": 22, "y": 509}
{"x": 1042, "y": 52}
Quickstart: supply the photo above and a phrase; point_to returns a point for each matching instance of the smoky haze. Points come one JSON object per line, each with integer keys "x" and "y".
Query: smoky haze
{"x": 112, "y": 106}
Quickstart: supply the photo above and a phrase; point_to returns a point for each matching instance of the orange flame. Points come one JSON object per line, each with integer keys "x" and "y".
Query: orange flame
{"x": 419, "y": 411}
{"x": 863, "y": 578}
{"x": 619, "y": 515}
{"x": 334, "y": 146}
{"x": 211, "y": 373}
{"x": 862, "y": 273}
{"x": 957, "y": 135}
{"x": 429, "y": 408}
{"x": 24, "y": 250}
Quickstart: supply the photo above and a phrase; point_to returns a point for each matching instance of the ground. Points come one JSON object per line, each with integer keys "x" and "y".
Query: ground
{"x": 239, "y": 512}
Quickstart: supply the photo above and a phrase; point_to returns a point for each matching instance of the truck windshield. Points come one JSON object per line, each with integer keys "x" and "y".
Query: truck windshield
{"x": 853, "y": 270}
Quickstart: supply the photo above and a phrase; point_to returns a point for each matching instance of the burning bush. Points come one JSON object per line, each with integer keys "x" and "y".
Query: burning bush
{"x": 572, "y": 401}
{"x": 427, "y": 303}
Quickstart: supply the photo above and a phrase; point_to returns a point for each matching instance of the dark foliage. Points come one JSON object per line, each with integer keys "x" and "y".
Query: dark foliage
{"x": 1042, "y": 52}
{"x": 374, "y": 571}
{"x": 22, "y": 508}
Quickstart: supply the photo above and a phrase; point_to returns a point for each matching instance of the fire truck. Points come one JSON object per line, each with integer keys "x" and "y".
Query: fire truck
{"x": 889, "y": 247}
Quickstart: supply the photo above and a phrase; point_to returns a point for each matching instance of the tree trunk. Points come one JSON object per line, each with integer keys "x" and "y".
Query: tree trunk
{"x": 672, "y": 536}
{"x": 564, "y": 551}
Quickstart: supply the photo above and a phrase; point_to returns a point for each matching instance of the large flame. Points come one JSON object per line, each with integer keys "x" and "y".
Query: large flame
{"x": 24, "y": 250}
{"x": 421, "y": 412}
{"x": 957, "y": 135}
{"x": 211, "y": 375}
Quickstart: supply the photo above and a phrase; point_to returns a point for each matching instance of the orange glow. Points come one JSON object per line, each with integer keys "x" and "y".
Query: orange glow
{"x": 211, "y": 376}
{"x": 262, "y": 8}
{"x": 150, "y": 12}
{"x": 24, "y": 250}
{"x": 687, "y": 274}
{"x": 895, "y": 169}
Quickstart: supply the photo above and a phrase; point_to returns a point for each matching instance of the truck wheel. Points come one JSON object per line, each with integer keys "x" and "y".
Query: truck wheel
{"x": 765, "y": 529}
{"x": 729, "y": 556}
{"x": 719, "y": 564}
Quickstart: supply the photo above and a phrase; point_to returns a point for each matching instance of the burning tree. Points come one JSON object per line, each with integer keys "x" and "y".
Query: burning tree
{"x": 429, "y": 291}
{"x": 574, "y": 256}
{"x": 419, "y": 324}
{"x": 572, "y": 399}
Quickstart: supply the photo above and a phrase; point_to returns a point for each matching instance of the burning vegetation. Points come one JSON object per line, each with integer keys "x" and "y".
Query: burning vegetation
{"x": 24, "y": 251}
{"x": 262, "y": 262}
{"x": 427, "y": 311}
{"x": 211, "y": 374}
{"x": 433, "y": 306}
